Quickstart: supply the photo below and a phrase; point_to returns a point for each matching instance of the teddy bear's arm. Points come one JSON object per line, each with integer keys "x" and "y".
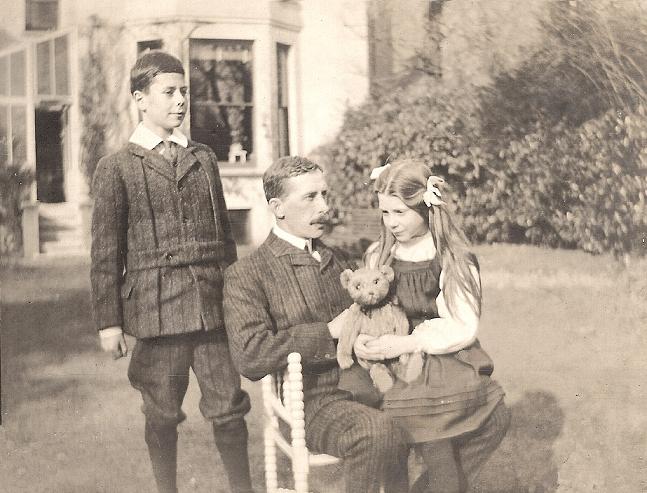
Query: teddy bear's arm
{"x": 401, "y": 321}
{"x": 346, "y": 340}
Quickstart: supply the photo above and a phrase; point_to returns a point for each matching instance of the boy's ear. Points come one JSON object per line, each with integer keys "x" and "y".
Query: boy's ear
{"x": 387, "y": 271}
{"x": 344, "y": 277}
{"x": 277, "y": 207}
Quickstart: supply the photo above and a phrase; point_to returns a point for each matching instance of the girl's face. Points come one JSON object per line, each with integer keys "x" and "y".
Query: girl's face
{"x": 404, "y": 222}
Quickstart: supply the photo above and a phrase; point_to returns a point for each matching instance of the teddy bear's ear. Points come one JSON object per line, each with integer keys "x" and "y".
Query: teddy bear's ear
{"x": 387, "y": 271}
{"x": 344, "y": 277}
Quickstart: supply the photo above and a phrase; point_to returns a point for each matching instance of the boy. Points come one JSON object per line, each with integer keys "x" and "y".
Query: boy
{"x": 161, "y": 240}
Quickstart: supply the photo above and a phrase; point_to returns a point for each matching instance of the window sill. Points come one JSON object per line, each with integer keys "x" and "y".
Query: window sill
{"x": 247, "y": 168}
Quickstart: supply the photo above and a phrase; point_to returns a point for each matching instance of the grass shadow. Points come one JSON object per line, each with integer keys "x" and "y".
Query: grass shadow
{"x": 525, "y": 462}
{"x": 37, "y": 334}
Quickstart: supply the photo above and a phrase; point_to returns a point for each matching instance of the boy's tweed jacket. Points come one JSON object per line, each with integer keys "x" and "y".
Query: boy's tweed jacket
{"x": 161, "y": 240}
{"x": 278, "y": 300}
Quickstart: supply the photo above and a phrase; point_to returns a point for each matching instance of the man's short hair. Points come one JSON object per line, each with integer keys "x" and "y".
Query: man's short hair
{"x": 282, "y": 169}
{"x": 149, "y": 65}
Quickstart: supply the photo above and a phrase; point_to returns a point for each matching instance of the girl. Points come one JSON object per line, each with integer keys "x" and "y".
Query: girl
{"x": 453, "y": 413}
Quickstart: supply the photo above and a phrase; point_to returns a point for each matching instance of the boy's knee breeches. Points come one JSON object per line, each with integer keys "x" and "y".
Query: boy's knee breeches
{"x": 159, "y": 369}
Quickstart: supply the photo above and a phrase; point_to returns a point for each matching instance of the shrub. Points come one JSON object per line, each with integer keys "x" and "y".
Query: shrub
{"x": 15, "y": 186}
{"x": 592, "y": 59}
{"x": 578, "y": 187}
{"x": 543, "y": 155}
{"x": 422, "y": 121}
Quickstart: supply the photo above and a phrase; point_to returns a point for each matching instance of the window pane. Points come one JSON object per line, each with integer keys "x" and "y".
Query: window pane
{"x": 222, "y": 95}
{"x": 18, "y": 134}
{"x": 18, "y": 73}
{"x": 4, "y": 149}
{"x": 43, "y": 66}
{"x": 4, "y": 74}
{"x": 282, "y": 73}
{"x": 61, "y": 65}
{"x": 282, "y": 86}
{"x": 41, "y": 15}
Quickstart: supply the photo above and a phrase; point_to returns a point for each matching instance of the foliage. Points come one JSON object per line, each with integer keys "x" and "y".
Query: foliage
{"x": 15, "y": 186}
{"x": 592, "y": 58}
{"x": 424, "y": 121}
{"x": 582, "y": 187}
{"x": 103, "y": 98}
{"x": 552, "y": 153}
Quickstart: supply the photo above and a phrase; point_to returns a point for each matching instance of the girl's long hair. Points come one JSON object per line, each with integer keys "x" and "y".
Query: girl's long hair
{"x": 406, "y": 179}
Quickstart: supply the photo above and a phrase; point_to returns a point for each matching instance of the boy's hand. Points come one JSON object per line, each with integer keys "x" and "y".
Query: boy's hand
{"x": 113, "y": 341}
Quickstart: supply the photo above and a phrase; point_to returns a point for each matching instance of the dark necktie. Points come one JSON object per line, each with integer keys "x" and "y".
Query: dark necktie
{"x": 170, "y": 151}
{"x": 310, "y": 248}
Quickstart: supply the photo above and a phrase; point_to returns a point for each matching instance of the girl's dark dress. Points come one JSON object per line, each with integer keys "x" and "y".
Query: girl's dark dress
{"x": 454, "y": 393}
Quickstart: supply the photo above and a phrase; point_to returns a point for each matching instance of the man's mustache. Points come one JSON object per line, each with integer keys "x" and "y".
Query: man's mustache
{"x": 323, "y": 219}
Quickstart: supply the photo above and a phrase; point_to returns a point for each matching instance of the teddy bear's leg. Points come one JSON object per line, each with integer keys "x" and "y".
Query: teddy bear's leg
{"x": 409, "y": 367}
{"x": 381, "y": 377}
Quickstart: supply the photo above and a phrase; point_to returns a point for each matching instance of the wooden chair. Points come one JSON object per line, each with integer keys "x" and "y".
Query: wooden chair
{"x": 283, "y": 400}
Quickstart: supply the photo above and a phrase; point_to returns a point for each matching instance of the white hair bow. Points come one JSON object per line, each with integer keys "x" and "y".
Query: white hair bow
{"x": 378, "y": 171}
{"x": 432, "y": 195}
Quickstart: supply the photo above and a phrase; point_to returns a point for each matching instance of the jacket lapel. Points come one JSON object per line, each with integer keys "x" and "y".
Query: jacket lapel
{"x": 155, "y": 161}
{"x": 326, "y": 255}
{"x": 307, "y": 275}
{"x": 185, "y": 161}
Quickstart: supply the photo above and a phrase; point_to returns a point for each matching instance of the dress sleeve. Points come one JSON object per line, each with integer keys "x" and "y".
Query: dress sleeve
{"x": 447, "y": 333}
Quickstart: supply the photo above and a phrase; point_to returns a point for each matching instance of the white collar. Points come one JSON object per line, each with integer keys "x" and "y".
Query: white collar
{"x": 417, "y": 250}
{"x": 296, "y": 241}
{"x": 148, "y": 139}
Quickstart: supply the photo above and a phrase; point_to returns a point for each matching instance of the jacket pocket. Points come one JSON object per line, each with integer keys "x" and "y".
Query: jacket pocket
{"x": 127, "y": 288}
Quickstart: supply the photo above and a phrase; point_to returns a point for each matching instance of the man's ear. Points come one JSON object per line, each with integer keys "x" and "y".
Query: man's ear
{"x": 344, "y": 277}
{"x": 387, "y": 271}
{"x": 277, "y": 207}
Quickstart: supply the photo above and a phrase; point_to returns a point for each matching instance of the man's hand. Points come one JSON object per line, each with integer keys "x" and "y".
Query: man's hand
{"x": 336, "y": 325}
{"x": 363, "y": 351}
{"x": 113, "y": 341}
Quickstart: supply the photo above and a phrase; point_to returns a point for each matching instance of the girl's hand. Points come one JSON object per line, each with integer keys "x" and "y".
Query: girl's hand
{"x": 391, "y": 346}
{"x": 363, "y": 352}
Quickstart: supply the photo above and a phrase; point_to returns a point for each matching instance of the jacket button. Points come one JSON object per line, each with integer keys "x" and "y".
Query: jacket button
{"x": 169, "y": 256}
{"x": 327, "y": 356}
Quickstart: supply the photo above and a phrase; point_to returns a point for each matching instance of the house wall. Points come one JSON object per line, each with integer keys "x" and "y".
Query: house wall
{"x": 486, "y": 36}
{"x": 334, "y": 72}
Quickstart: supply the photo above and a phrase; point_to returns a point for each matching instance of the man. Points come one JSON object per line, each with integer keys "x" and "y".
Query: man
{"x": 286, "y": 296}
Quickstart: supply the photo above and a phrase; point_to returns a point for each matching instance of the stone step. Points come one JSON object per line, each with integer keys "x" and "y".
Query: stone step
{"x": 63, "y": 247}
{"x": 61, "y": 232}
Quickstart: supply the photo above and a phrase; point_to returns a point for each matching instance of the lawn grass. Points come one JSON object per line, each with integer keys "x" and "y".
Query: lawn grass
{"x": 567, "y": 332}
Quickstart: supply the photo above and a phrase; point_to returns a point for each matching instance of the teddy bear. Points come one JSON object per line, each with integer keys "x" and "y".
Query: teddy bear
{"x": 375, "y": 312}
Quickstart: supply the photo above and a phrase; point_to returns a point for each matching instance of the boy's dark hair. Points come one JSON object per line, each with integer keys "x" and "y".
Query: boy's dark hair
{"x": 149, "y": 65}
{"x": 282, "y": 169}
